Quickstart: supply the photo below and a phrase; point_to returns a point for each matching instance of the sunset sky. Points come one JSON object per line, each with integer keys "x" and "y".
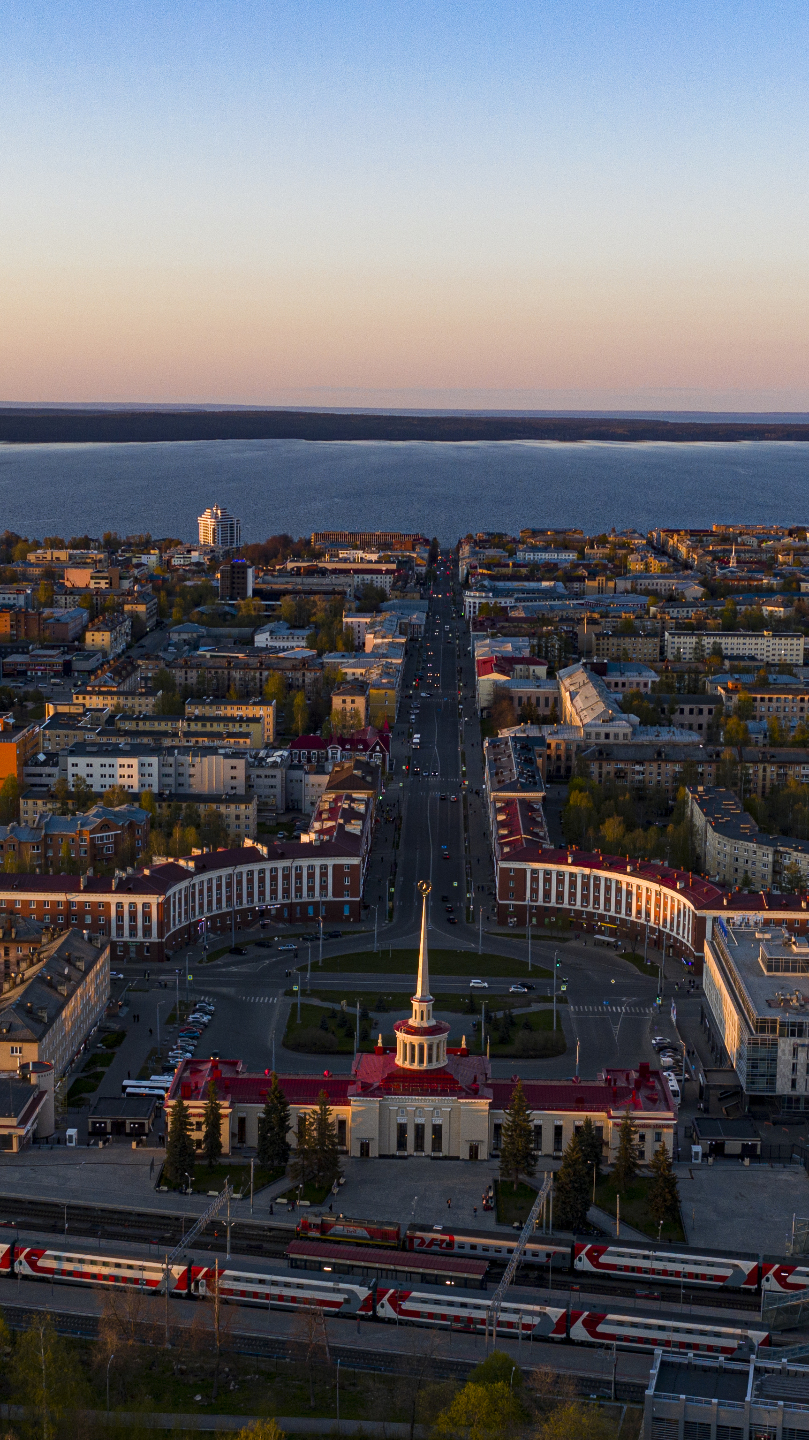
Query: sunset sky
{"x": 542, "y": 205}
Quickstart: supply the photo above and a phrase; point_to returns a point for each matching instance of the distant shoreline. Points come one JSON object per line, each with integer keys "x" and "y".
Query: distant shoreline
{"x": 31, "y": 425}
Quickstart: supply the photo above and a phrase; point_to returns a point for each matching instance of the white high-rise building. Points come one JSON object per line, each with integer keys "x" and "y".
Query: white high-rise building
{"x": 218, "y": 527}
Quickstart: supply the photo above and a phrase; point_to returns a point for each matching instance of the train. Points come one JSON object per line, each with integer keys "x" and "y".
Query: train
{"x": 606, "y": 1259}
{"x": 385, "y": 1303}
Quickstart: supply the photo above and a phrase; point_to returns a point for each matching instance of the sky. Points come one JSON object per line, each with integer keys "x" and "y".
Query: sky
{"x": 593, "y": 204}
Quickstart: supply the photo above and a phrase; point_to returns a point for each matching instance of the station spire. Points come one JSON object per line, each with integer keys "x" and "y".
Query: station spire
{"x": 423, "y": 982}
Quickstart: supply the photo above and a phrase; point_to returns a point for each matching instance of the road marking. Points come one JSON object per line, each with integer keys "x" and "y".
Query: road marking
{"x": 613, "y": 1009}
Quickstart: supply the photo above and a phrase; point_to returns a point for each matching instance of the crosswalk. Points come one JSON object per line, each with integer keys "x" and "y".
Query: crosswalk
{"x": 257, "y": 999}
{"x": 612, "y": 1009}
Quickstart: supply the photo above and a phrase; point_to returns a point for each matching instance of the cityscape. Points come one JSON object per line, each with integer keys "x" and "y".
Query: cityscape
{"x": 321, "y": 855}
{"x": 404, "y": 720}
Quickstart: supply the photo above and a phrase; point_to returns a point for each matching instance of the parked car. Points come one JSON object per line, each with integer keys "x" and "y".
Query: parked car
{"x": 666, "y": 1059}
{"x": 288, "y": 947}
{"x": 264, "y": 944}
{"x": 334, "y": 934}
{"x": 660, "y": 1042}
{"x": 237, "y": 950}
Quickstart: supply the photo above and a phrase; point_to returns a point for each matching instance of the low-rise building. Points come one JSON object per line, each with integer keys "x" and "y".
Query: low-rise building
{"x": 109, "y": 633}
{"x": 731, "y": 847}
{"x": 142, "y": 605}
{"x": 48, "y": 1016}
{"x": 350, "y": 705}
{"x": 213, "y": 708}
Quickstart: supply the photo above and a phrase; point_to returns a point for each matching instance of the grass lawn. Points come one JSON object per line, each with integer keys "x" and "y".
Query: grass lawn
{"x": 80, "y": 1089}
{"x": 335, "y": 1039}
{"x": 513, "y": 1204}
{"x": 400, "y": 1000}
{"x": 531, "y": 1036}
{"x": 99, "y": 1061}
{"x": 635, "y": 1207}
{"x": 649, "y": 969}
{"x": 214, "y": 1178}
{"x": 114, "y": 1039}
{"x": 315, "y": 1194}
{"x": 442, "y": 962}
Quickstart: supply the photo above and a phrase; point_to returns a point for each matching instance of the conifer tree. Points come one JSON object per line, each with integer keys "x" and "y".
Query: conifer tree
{"x": 571, "y": 1189}
{"x": 591, "y": 1148}
{"x": 664, "y": 1195}
{"x": 626, "y": 1163}
{"x": 212, "y": 1122}
{"x": 273, "y": 1126}
{"x": 326, "y": 1158}
{"x": 180, "y": 1153}
{"x": 303, "y": 1160}
{"x": 517, "y": 1142}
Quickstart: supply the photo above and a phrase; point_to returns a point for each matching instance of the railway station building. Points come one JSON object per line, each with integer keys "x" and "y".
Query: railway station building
{"x": 424, "y": 1099}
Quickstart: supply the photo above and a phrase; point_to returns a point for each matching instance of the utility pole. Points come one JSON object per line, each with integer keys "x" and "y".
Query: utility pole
{"x": 529, "y": 942}
{"x": 252, "y": 1164}
{"x": 321, "y": 942}
{"x": 233, "y": 908}
{"x": 357, "y": 1044}
{"x": 555, "y": 954}
{"x": 309, "y": 970}
{"x": 483, "y": 1029}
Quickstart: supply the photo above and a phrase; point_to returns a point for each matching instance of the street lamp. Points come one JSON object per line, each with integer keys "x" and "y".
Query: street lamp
{"x": 376, "y": 908}
{"x": 109, "y": 1362}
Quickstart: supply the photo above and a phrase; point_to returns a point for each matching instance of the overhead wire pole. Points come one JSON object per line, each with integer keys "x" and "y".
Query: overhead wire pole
{"x": 528, "y": 1228}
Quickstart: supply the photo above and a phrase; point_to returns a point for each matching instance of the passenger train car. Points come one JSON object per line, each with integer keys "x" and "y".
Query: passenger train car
{"x": 436, "y": 1307}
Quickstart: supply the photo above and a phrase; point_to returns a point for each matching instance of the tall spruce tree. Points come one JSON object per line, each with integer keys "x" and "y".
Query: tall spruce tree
{"x": 591, "y": 1148}
{"x": 273, "y": 1127}
{"x": 664, "y": 1194}
{"x": 626, "y": 1161}
{"x": 180, "y": 1152}
{"x": 212, "y": 1126}
{"x": 303, "y": 1160}
{"x": 571, "y": 1189}
{"x": 326, "y": 1158}
{"x": 517, "y": 1140}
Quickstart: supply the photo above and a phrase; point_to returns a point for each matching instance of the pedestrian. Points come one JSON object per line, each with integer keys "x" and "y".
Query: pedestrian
{"x": 129, "y": 1074}
{"x": 151, "y": 1168}
{"x": 449, "y": 1204}
{"x": 150, "y": 1033}
{"x": 475, "y": 1210}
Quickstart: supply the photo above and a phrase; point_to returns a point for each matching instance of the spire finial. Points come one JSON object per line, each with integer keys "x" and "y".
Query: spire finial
{"x": 423, "y": 982}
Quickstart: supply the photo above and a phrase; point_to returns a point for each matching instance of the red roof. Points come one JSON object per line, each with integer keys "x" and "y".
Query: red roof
{"x": 309, "y": 742}
{"x": 372, "y": 1256}
{"x": 646, "y": 1093}
{"x": 241, "y": 1088}
{"x": 701, "y": 893}
{"x": 462, "y": 1075}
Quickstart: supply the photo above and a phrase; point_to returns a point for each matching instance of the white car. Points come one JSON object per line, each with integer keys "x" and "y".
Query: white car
{"x": 478, "y": 984}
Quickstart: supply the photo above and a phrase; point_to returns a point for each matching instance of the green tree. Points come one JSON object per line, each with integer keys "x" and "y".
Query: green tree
{"x": 117, "y": 795}
{"x": 212, "y": 1127}
{"x": 480, "y": 1412}
{"x": 273, "y": 1127}
{"x": 626, "y": 1162}
{"x": 9, "y": 800}
{"x": 46, "y": 1378}
{"x": 180, "y": 1151}
{"x": 67, "y": 864}
{"x": 326, "y": 1157}
{"x": 517, "y": 1142}
{"x": 575, "y": 1421}
{"x": 572, "y": 1188}
{"x": 300, "y": 713}
{"x": 213, "y": 830}
{"x": 83, "y": 795}
{"x": 664, "y": 1194}
{"x": 303, "y": 1161}
{"x": 148, "y": 802}
{"x": 61, "y": 794}
{"x": 591, "y": 1147}
{"x": 275, "y": 688}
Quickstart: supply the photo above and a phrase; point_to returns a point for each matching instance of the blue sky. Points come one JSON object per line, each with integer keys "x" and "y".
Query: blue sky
{"x": 589, "y": 204}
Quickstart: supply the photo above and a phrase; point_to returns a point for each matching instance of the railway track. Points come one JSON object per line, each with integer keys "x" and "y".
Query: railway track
{"x": 160, "y": 1228}
{"x": 164, "y": 1229}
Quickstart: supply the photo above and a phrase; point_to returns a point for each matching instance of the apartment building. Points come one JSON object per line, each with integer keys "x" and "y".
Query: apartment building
{"x": 49, "y": 1014}
{"x": 263, "y": 711}
{"x": 245, "y": 673}
{"x": 623, "y": 676}
{"x": 768, "y": 769}
{"x": 235, "y": 580}
{"x": 731, "y": 847}
{"x": 587, "y": 702}
{"x": 350, "y": 705}
{"x": 110, "y": 634}
{"x": 604, "y": 645}
{"x": 18, "y": 744}
{"x": 139, "y": 766}
{"x": 219, "y": 529}
{"x": 788, "y": 702}
{"x": 238, "y": 811}
{"x": 660, "y": 766}
{"x": 142, "y": 606}
{"x": 764, "y": 645}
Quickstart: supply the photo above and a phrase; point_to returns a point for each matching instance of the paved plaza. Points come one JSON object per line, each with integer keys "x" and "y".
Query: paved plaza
{"x": 729, "y": 1206}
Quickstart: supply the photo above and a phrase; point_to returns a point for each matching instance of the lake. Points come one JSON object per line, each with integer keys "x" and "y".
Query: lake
{"x": 440, "y": 489}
